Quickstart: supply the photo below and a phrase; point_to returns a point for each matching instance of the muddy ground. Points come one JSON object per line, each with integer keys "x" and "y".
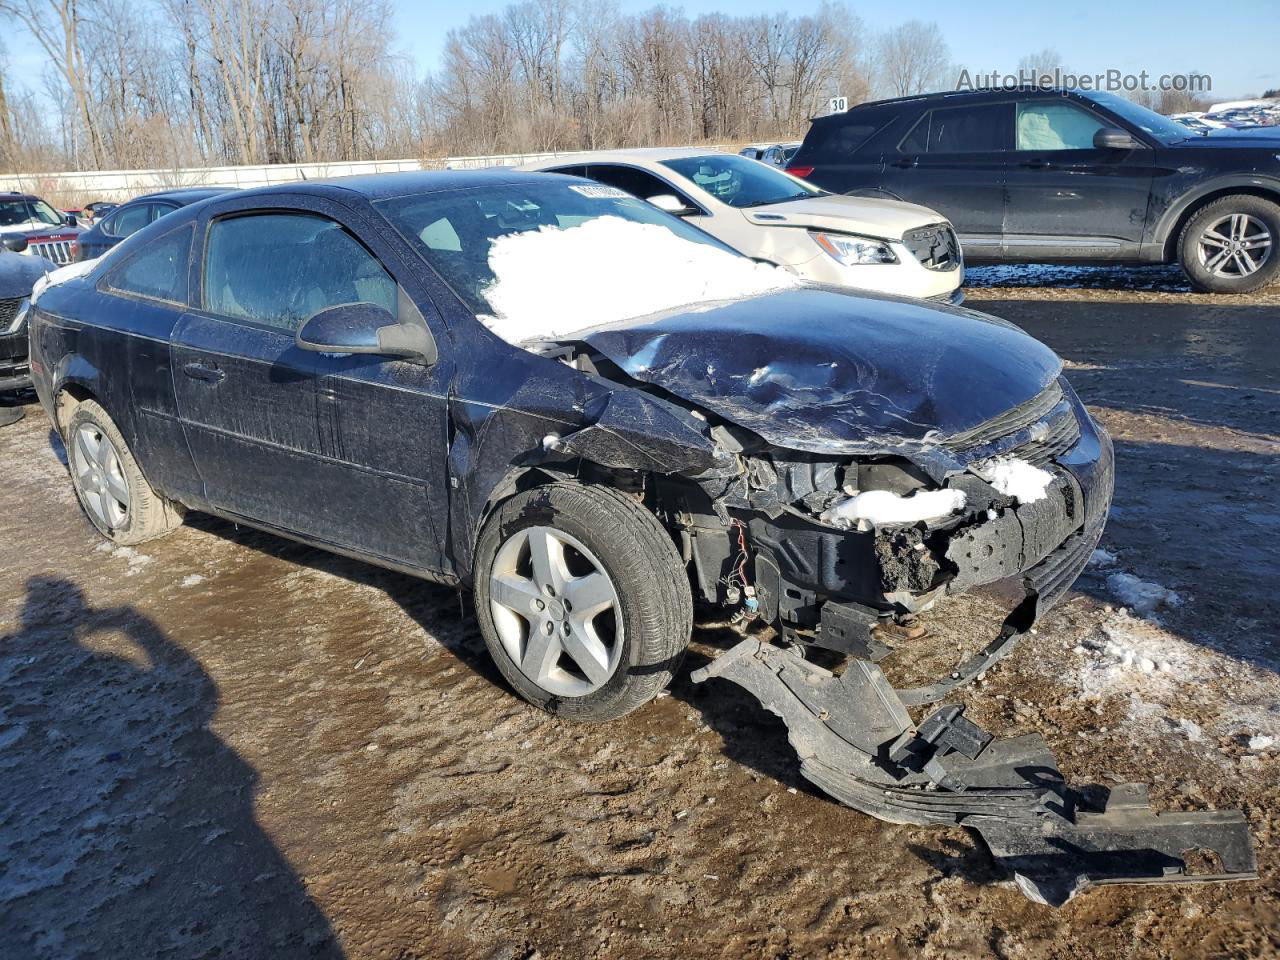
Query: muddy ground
{"x": 222, "y": 744}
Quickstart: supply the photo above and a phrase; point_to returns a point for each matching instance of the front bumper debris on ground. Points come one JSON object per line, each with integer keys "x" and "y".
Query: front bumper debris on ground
{"x": 858, "y": 743}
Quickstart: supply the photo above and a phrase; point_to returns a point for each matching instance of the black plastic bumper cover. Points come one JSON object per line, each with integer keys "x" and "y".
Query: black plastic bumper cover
{"x": 857, "y": 742}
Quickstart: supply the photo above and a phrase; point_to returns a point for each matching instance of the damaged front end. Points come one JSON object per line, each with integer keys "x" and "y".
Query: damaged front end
{"x": 805, "y": 523}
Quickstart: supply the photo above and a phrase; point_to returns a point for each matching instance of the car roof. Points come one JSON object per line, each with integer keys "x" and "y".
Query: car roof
{"x": 383, "y": 186}
{"x": 966, "y": 96}
{"x": 14, "y": 195}
{"x": 188, "y": 194}
{"x": 638, "y": 155}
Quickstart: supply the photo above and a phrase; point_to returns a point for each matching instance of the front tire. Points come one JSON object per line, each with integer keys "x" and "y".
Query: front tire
{"x": 1232, "y": 245}
{"x": 582, "y": 600}
{"x": 116, "y": 497}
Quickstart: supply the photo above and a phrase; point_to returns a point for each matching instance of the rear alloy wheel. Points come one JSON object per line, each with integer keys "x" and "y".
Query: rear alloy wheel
{"x": 1232, "y": 245}
{"x": 116, "y": 497}
{"x": 582, "y": 599}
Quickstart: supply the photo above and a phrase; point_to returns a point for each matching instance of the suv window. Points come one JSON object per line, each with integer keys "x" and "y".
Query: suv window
{"x": 638, "y": 183}
{"x": 838, "y": 141}
{"x": 277, "y": 269}
{"x": 981, "y": 128}
{"x": 157, "y": 271}
{"x": 1044, "y": 125}
{"x": 129, "y": 221}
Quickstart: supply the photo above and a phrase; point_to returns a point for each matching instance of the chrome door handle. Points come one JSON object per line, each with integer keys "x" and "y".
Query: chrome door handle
{"x": 198, "y": 371}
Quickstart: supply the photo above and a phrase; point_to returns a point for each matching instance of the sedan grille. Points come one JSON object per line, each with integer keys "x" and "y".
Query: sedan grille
{"x": 935, "y": 246}
{"x": 59, "y": 251}
{"x": 1038, "y": 431}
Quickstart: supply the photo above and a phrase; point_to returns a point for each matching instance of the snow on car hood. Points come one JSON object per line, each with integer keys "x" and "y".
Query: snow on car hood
{"x": 820, "y": 370}
{"x": 550, "y": 282}
{"x": 871, "y": 216}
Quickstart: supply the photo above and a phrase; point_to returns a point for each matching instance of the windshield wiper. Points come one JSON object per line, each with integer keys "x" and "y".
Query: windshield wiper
{"x": 763, "y": 203}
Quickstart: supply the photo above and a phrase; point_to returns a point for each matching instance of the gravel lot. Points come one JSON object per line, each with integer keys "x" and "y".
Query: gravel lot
{"x": 225, "y": 744}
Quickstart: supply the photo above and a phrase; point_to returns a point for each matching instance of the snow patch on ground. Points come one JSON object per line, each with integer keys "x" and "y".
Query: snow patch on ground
{"x": 1143, "y": 597}
{"x": 1102, "y": 558}
{"x": 1261, "y": 742}
{"x": 1128, "y": 653}
{"x": 551, "y": 282}
{"x": 1023, "y": 481}
{"x": 192, "y": 579}
{"x": 880, "y": 508}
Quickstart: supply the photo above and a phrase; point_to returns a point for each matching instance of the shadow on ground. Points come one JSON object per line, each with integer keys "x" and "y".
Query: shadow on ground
{"x": 114, "y": 791}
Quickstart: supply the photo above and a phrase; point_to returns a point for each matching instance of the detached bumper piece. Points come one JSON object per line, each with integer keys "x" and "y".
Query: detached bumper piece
{"x": 858, "y": 743}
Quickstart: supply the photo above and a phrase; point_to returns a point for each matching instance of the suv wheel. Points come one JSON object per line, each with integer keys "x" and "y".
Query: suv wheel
{"x": 582, "y": 599}
{"x": 1232, "y": 245}
{"x": 116, "y": 497}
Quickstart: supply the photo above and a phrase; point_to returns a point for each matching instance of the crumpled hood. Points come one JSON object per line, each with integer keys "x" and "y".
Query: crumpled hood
{"x": 819, "y": 370}
{"x": 871, "y": 216}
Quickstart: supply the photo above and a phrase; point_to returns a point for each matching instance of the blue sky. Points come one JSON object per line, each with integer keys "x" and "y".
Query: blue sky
{"x": 1235, "y": 45}
{"x": 1237, "y": 49}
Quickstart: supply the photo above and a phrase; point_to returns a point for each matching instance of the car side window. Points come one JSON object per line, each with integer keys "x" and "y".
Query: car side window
{"x": 127, "y": 222}
{"x": 158, "y": 210}
{"x": 158, "y": 271}
{"x": 578, "y": 170}
{"x": 980, "y": 128}
{"x": 278, "y": 269}
{"x": 638, "y": 183}
{"x": 1044, "y": 125}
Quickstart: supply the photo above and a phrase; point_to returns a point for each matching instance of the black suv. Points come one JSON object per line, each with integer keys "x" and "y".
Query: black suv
{"x": 1046, "y": 175}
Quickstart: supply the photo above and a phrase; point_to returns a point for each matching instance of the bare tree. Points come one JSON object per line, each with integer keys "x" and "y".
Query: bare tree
{"x": 913, "y": 58}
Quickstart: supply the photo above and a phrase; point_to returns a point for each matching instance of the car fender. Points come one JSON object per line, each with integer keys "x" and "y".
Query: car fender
{"x": 1171, "y": 217}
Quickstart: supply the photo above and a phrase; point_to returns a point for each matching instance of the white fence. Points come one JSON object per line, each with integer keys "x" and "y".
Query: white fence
{"x": 120, "y": 185}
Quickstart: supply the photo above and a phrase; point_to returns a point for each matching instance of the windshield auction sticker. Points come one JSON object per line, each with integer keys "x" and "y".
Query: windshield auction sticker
{"x": 599, "y": 192}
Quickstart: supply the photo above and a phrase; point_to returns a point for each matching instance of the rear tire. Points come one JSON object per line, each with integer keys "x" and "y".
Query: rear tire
{"x": 609, "y": 554}
{"x": 1232, "y": 245}
{"x": 114, "y": 494}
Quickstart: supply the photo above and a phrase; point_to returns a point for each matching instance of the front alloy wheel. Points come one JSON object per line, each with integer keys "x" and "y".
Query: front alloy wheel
{"x": 1235, "y": 246}
{"x": 556, "y": 611}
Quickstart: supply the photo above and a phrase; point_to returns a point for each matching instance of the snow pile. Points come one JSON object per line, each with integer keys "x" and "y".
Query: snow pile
{"x": 1143, "y": 597}
{"x": 1023, "y": 481}
{"x": 878, "y": 508}
{"x": 1261, "y": 742}
{"x": 550, "y": 282}
{"x": 1128, "y": 653}
{"x": 1102, "y": 558}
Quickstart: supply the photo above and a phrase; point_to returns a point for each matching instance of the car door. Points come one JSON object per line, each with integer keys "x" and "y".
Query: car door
{"x": 1064, "y": 196}
{"x": 347, "y": 451}
{"x": 955, "y": 160}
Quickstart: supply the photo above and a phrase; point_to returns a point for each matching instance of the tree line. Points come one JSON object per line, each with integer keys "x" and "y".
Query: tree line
{"x": 177, "y": 83}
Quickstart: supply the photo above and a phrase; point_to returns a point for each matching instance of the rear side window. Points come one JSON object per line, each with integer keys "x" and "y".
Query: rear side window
{"x": 836, "y": 142}
{"x": 638, "y": 183}
{"x": 127, "y": 222}
{"x": 278, "y": 269}
{"x": 158, "y": 271}
{"x": 982, "y": 128}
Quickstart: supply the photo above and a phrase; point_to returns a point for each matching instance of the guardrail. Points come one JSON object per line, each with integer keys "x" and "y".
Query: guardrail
{"x": 121, "y": 185}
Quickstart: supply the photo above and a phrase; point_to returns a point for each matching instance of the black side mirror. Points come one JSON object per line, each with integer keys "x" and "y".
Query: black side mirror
{"x": 365, "y": 328}
{"x": 15, "y": 242}
{"x": 1113, "y": 138}
{"x": 72, "y": 220}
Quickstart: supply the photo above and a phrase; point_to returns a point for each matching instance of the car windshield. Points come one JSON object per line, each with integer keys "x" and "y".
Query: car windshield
{"x": 454, "y": 230}
{"x": 1162, "y": 128}
{"x": 14, "y": 213}
{"x": 740, "y": 182}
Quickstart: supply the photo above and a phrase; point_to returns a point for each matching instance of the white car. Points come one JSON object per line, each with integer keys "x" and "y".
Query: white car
{"x": 868, "y": 244}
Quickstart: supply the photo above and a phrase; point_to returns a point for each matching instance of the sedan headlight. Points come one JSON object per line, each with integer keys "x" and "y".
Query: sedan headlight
{"x": 853, "y": 250}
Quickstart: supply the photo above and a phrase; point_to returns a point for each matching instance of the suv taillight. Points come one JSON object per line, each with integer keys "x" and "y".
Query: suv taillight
{"x": 801, "y": 172}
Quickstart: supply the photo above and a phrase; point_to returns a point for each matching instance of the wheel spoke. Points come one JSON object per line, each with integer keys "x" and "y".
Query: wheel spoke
{"x": 88, "y": 453}
{"x": 1243, "y": 263}
{"x": 104, "y": 454}
{"x": 118, "y": 488}
{"x": 547, "y": 556}
{"x": 515, "y": 593}
{"x": 1212, "y": 236}
{"x": 590, "y": 594}
{"x": 541, "y": 652}
{"x": 588, "y": 653}
{"x": 93, "y": 500}
{"x": 1214, "y": 264}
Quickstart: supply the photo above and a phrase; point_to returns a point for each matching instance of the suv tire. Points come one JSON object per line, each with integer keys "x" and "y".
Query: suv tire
{"x": 1232, "y": 245}
{"x": 546, "y": 549}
